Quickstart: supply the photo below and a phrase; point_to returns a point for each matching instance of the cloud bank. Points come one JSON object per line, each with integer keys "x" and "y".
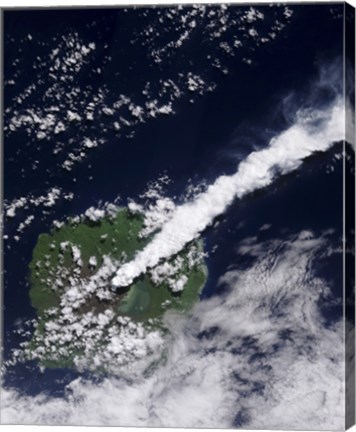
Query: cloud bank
{"x": 259, "y": 356}
{"x": 313, "y": 131}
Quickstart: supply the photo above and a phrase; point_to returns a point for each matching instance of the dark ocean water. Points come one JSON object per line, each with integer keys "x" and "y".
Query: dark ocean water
{"x": 199, "y": 143}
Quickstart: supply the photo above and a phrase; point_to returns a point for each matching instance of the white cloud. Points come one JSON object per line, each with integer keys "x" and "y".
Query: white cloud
{"x": 313, "y": 131}
{"x": 93, "y": 261}
{"x": 94, "y": 214}
{"x": 260, "y": 353}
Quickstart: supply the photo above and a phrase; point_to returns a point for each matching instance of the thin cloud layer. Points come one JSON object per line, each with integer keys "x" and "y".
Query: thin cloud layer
{"x": 259, "y": 356}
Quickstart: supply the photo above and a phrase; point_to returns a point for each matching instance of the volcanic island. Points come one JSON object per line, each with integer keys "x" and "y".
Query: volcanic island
{"x": 84, "y": 322}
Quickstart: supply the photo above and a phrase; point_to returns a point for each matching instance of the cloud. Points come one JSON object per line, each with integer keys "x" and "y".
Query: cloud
{"x": 313, "y": 131}
{"x": 259, "y": 356}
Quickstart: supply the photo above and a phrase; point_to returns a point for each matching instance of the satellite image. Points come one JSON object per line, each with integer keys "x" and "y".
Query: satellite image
{"x": 177, "y": 216}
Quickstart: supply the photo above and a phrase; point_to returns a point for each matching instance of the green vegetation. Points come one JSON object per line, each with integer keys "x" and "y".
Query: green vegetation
{"x": 112, "y": 237}
{"x": 54, "y": 267}
{"x": 145, "y": 300}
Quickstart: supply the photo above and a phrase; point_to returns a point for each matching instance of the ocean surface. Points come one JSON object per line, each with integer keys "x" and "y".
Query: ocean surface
{"x": 195, "y": 145}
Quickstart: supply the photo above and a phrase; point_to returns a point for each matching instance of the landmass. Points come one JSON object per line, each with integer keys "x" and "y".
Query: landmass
{"x": 83, "y": 321}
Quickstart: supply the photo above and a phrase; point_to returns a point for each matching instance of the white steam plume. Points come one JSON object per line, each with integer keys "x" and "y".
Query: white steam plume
{"x": 313, "y": 131}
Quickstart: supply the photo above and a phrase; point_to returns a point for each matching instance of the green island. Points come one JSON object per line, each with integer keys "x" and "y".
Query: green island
{"x": 74, "y": 254}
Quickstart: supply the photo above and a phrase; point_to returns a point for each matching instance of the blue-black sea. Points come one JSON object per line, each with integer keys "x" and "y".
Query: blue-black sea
{"x": 207, "y": 136}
